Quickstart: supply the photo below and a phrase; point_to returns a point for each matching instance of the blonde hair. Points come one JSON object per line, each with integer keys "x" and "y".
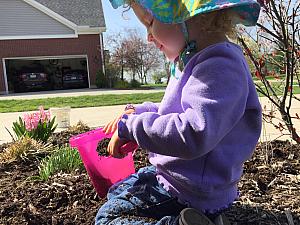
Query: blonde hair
{"x": 220, "y": 21}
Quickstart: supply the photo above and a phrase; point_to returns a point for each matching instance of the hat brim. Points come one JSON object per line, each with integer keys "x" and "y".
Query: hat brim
{"x": 117, "y": 3}
{"x": 171, "y": 12}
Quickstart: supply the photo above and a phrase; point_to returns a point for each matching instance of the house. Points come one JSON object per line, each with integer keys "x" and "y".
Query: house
{"x": 47, "y": 39}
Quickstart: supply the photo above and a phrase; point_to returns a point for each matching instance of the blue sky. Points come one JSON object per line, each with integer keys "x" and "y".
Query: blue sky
{"x": 115, "y": 22}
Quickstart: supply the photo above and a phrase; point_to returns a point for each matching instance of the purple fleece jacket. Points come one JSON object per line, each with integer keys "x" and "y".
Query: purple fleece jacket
{"x": 205, "y": 128}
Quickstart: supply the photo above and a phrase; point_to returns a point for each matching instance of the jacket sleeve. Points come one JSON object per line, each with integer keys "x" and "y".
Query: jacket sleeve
{"x": 213, "y": 101}
{"x": 146, "y": 107}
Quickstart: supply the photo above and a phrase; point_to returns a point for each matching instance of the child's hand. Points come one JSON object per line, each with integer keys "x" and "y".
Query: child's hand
{"x": 113, "y": 125}
{"x": 114, "y": 146}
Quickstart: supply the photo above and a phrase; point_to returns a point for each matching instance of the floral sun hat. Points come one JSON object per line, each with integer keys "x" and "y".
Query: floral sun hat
{"x": 177, "y": 11}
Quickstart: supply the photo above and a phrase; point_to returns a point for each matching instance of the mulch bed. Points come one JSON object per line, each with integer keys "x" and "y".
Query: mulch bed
{"x": 270, "y": 190}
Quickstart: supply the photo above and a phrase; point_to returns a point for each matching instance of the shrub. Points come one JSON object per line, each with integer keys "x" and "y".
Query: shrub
{"x": 63, "y": 160}
{"x": 101, "y": 80}
{"x": 121, "y": 84}
{"x": 24, "y": 148}
{"x": 275, "y": 52}
{"x": 135, "y": 84}
{"x": 37, "y": 125}
{"x": 157, "y": 77}
{"x": 112, "y": 72}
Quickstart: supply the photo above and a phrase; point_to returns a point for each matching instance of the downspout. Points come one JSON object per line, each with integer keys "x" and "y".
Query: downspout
{"x": 102, "y": 53}
{"x": 5, "y": 76}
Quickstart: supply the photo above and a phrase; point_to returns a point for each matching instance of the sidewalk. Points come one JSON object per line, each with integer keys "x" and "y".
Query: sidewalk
{"x": 269, "y": 132}
{"x": 99, "y": 116}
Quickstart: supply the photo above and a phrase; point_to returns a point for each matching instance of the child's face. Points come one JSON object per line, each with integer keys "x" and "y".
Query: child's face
{"x": 167, "y": 37}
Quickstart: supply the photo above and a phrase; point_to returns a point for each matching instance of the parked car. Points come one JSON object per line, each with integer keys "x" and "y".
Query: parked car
{"x": 75, "y": 79}
{"x": 31, "y": 79}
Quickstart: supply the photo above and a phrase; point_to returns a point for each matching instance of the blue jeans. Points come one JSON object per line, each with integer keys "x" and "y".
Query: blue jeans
{"x": 139, "y": 200}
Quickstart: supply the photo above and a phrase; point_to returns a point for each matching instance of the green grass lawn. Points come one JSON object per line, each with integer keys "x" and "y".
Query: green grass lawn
{"x": 93, "y": 101}
{"x": 78, "y": 102}
{"x": 278, "y": 87}
{"x": 154, "y": 85}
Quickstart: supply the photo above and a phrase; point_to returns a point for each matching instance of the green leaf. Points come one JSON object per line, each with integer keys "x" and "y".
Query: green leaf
{"x": 13, "y": 138}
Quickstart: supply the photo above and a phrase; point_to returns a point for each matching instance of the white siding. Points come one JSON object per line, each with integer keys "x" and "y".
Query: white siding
{"x": 18, "y": 18}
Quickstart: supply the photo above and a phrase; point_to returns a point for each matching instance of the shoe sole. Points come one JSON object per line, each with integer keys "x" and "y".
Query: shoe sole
{"x": 190, "y": 216}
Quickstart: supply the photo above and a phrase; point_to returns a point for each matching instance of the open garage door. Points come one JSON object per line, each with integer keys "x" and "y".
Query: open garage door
{"x": 46, "y": 73}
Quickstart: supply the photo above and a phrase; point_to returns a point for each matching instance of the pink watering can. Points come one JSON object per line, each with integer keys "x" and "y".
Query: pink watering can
{"x": 104, "y": 171}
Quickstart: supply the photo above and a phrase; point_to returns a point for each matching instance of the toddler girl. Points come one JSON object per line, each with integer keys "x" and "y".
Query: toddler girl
{"x": 204, "y": 129}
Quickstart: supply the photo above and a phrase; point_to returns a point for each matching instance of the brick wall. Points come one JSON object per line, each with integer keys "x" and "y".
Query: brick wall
{"x": 83, "y": 45}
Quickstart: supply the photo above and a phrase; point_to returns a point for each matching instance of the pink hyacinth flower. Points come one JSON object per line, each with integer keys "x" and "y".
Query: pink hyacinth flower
{"x": 32, "y": 120}
{"x": 44, "y": 115}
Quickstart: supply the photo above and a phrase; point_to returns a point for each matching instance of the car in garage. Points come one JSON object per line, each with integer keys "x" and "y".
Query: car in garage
{"x": 28, "y": 79}
{"x": 75, "y": 79}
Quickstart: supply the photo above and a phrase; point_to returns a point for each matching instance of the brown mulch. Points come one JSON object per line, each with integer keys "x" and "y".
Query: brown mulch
{"x": 270, "y": 190}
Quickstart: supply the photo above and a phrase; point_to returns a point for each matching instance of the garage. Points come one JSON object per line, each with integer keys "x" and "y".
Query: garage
{"x": 46, "y": 73}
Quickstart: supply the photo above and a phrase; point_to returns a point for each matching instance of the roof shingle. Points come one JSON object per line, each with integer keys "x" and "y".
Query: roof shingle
{"x": 80, "y": 12}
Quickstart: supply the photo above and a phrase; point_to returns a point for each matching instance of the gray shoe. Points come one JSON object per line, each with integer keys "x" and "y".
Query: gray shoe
{"x": 190, "y": 216}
